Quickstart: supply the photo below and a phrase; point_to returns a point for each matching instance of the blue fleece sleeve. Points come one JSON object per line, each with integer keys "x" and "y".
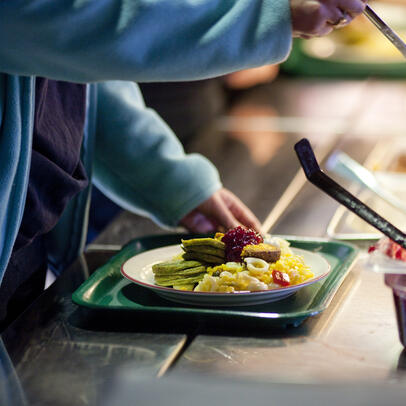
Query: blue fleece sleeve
{"x": 141, "y": 40}
{"x": 140, "y": 164}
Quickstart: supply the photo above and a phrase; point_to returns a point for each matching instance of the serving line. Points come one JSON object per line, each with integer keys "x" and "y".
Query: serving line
{"x": 343, "y": 224}
{"x": 316, "y": 176}
{"x": 56, "y": 342}
{"x": 355, "y": 340}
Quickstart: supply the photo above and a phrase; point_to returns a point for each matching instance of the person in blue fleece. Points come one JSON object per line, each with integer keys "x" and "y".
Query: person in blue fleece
{"x": 71, "y": 115}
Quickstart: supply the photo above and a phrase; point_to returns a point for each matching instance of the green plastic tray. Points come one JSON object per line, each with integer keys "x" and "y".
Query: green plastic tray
{"x": 106, "y": 288}
{"x": 302, "y": 64}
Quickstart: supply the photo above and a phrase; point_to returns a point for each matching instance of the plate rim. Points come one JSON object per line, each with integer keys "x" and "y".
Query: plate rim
{"x": 93, "y": 290}
{"x": 292, "y": 288}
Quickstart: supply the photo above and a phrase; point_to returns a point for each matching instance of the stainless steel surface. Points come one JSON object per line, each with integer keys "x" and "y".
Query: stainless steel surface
{"x": 386, "y": 30}
{"x": 64, "y": 355}
{"x": 198, "y": 390}
{"x": 355, "y": 339}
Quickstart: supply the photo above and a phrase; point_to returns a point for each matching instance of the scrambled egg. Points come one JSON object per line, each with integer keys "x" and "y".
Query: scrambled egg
{"x": 255, "y": 274}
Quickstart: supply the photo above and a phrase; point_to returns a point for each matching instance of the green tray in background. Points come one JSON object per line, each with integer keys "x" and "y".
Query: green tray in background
{"x": 301, "y": 63}
{"x": 107, "y": 289}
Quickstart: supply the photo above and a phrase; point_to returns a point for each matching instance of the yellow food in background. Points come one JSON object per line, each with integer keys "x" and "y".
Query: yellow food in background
{"x": 361, "y": 41}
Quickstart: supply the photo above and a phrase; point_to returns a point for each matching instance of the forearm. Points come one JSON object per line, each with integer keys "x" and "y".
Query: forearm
{"x": 141, "y": 165}
{"x": 141, "y": 40}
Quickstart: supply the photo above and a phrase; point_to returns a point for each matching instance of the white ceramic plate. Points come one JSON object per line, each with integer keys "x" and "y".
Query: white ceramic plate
{"x": 138, "y": 269}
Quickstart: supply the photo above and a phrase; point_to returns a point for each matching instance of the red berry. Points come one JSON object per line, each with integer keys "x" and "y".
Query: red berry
{"x": 236, "y": 239}
{"x": 396, "y": 251}
{"x": 281, "y": 278}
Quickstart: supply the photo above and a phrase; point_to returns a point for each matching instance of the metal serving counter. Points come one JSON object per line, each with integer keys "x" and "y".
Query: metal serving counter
{"x": 58, "y": 353}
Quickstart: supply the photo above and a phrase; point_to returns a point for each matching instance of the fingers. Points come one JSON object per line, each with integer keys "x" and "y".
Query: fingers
{"x": 197, "y": 222}
{"x": 312, "y": 18}
{"x": 217, "y": 209}
{"x": 336, "y": 15}
{"x": 210, "y": 216}
{"x": 223, "y": 210}
{"x": 240, "y": 211}
{"x": 345, "y": 12}
{"x": 352, "y": 7}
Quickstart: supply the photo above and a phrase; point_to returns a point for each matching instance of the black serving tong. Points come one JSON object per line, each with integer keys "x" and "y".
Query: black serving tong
{"x": 385, "y": 30}
{"x": 316, "y": 176}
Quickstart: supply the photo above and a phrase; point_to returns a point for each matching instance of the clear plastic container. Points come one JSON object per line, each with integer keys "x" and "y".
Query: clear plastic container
{"x": 398, "y": 284}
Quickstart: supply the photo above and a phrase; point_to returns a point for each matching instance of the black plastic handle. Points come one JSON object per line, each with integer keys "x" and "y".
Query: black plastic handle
{"x": 316, "y": 176}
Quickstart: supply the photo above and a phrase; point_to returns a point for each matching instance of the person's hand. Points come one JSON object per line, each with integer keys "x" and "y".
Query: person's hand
{"x": 223, "y": 210}
{"x": 315, "y": 18}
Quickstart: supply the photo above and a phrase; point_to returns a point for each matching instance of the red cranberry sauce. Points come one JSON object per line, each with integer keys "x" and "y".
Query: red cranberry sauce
{"x": 389, "y": 248}
{"x": 394, "y": 250}
{"x": 236, "y": 239}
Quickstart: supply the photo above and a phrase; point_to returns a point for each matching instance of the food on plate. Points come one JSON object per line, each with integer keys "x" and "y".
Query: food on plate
{"x": 214, "y": 243}
{"x": 256, "y": 264}
{"x": 267, "y": 252}
{"x": 210, "y": 250}
{"x": 236, "y": 239}
{"x": 181, "y": 273}
{"x": 239, "y": 260}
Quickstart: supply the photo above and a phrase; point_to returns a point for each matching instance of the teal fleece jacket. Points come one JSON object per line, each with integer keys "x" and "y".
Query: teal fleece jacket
{"x": 128, "y": 151}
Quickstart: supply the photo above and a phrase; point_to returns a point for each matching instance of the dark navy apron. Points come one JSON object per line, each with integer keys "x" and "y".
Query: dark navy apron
{"x": 56, "y": 175}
